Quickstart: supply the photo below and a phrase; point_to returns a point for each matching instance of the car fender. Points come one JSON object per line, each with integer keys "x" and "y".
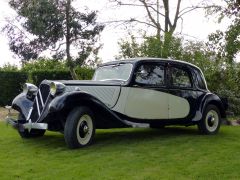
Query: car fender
{"x": 69, "y": 100}
{"x": 210, "y": 98}
{"x": 22, "y": 104}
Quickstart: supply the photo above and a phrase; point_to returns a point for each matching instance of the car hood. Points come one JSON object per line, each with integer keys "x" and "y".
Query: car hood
{"x": 90, "y": 83}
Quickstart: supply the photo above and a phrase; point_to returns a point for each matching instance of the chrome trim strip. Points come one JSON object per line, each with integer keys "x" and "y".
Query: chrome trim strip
{"x": 37, "y": 106}
{"x": 40, "y": 94}
{"x": 29, "y": 114}
{"x": 44, "y": 107}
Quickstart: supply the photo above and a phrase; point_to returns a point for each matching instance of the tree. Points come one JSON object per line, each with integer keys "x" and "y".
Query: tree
{"x": 150, "y": 47}
{"x": 51, "y": 25}
{"x": 158, "y": 13}
{"x": 227, "y": 44}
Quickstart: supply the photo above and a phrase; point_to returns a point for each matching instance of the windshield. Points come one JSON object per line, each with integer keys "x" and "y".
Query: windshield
{"x": 113, "y": 72}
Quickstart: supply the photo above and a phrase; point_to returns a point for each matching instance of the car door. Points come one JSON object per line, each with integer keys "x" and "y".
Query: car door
{"x": 182, "y": 103}
{"x": 147, "y": 97}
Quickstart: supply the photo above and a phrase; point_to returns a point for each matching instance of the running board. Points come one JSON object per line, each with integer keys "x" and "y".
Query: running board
{"x": 136, "y": 125}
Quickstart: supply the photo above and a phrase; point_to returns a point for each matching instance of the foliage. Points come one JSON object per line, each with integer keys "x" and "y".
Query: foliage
{"x": 12, "y": 79}
{"x": 227, "y": 44}
{"x": 171, "y": 153}
{"x": 161, "y": 16}
{"x": 39, "y": 75}
{"x": 44, "y": 64}
{"x": 84, "y": 73}
{"x": 50, "y": 25}
{"x": 150, "y": 47}
{"x": 11, "y": 83}
{"x": 41, "y": 69}
{"x": 227, "y": 47}
{"x": 8, "y": 67}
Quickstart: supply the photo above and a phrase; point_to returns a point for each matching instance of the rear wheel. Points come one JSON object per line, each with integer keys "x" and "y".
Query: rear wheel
{"x": 211, "y": 120}
{"x": 24, "y": 133}
{"x": 79, "y": 129}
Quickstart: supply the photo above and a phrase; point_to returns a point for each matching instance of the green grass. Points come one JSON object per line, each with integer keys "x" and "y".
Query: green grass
{"x": 141, "y": 154}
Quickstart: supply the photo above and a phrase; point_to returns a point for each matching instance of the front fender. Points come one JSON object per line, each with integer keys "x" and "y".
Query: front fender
{"x": 70, "y": 99}
{"x": 22, "y": 104}
{"x": 67, "y": 101}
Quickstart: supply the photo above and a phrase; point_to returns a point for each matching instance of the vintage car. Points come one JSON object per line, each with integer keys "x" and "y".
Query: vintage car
{"x": 141, "y": 92}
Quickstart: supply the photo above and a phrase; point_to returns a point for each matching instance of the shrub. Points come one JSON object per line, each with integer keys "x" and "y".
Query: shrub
{"x": 44, "y": 65}
{"x": 11, "y": 83}
{"x": 38, "y": 76}
{"x": 85, "y": 73}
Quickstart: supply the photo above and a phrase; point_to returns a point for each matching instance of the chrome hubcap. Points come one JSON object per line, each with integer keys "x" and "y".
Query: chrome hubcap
{"x": 212, "y": 120}
{"x": 84, "y": 129}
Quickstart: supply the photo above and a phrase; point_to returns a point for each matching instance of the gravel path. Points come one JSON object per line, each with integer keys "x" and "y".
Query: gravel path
{"x": 4, "y": 112}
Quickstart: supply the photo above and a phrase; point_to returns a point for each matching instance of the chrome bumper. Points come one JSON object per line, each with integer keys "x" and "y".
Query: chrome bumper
{"x": 22, "y": 126}
{"x": 29, "y": 125}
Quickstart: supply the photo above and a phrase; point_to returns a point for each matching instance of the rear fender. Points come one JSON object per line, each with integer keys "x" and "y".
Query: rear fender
{"x": 214, "y": 100}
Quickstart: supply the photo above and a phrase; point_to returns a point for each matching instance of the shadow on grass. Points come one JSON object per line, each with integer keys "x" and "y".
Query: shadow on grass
{"x": 119, "y": 136}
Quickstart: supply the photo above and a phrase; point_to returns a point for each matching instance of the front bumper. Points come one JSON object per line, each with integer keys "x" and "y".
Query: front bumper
{"x": 21, "y": 126}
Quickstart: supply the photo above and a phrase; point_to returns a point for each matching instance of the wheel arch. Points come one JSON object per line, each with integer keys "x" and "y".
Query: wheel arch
{"x": 22, "y": 104}
{"x": 104, "y": 117}
{"x": 216, "y": 101}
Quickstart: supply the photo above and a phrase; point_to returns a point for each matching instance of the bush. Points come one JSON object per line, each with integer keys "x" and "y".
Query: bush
{"x": 11, "y": 83}
{"x": 44, "y": 65}
{"x": 38, "y": 76}
{"x": 85, "y": 73}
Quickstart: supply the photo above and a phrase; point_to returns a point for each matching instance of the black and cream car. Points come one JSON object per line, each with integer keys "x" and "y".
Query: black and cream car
{"x": 143, "y": 92}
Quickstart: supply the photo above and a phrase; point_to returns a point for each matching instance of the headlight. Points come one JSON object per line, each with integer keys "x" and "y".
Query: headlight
{"x": 56, "y": 88}
{"x": 29, "y": 88}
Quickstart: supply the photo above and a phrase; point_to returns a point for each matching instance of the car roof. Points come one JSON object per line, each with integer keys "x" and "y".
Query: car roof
{"x": 142, "y": 59}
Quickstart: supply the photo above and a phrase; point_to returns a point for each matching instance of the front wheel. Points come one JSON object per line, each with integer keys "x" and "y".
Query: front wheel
{"x": 211, "y": 120}
{"x": 79, "y": 128}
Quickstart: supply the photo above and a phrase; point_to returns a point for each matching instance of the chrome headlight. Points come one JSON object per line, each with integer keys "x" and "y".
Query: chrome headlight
{"x": 30, "y": 88}
{"x": 56, "y": 88}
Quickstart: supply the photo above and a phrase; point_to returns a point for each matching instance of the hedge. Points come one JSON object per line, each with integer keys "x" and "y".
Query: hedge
{"x": 36, "y": 77}
{"x": 11, "y": 83}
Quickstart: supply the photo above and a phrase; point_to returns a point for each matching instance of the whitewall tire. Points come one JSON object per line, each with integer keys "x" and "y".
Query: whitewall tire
{"x": 211, "y": 120}
{"x": 79, "y": 128}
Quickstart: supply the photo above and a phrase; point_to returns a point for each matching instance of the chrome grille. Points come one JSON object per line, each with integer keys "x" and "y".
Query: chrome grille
{"x": 39, "y": 102}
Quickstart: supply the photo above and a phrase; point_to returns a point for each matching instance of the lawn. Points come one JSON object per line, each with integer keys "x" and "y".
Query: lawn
{"x": 171, "y": 153}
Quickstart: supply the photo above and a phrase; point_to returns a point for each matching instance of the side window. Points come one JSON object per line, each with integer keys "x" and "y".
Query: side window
{"x": 180, "y": 78}
{"x": 149, "y": 74}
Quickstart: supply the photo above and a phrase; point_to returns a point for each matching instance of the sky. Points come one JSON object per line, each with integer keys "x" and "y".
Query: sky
{"x": 195, "y": 26}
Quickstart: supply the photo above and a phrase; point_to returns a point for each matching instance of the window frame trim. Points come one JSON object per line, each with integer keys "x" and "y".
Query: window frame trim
{"x": 184, "y": 68}
{"x": 163, "y": 64}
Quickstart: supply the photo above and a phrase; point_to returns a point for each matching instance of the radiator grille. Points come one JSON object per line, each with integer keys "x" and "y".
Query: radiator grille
{"x": 40, "y": 102}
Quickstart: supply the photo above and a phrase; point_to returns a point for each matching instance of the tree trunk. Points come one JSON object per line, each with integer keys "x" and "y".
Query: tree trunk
{"x": 167, "y": 20}
{"x": 70, "y": 63}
